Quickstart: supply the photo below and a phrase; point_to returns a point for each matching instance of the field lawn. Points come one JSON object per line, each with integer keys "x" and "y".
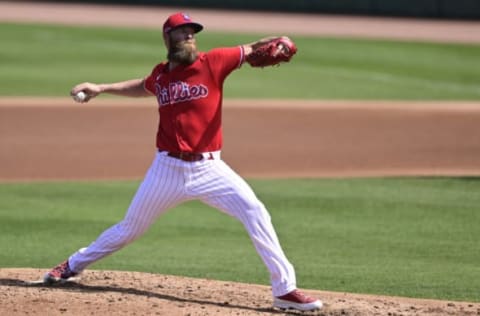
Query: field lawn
{"x": 415, "y": 237}
{"x": 42, "y": 60}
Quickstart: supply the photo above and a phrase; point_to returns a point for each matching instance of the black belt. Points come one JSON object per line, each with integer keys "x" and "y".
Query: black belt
{"x": 188, "y": 156}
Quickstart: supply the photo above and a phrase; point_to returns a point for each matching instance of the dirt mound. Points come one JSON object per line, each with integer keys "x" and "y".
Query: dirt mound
{"x": 134, "y": 293}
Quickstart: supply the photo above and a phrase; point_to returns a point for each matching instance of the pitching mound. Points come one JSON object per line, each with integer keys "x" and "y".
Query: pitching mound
{"x": 134, "y": 293}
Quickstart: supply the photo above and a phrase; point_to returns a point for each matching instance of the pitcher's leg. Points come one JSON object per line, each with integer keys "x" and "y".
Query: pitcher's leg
{"x": 234, "y": 196}
{"x": 161, "y": 189}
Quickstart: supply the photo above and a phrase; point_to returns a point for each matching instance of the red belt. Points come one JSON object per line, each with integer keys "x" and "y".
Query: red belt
{"x": 188, "y": 156}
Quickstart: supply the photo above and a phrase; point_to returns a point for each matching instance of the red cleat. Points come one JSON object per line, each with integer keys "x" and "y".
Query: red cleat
{"x": 61, "y": 273}
{"x": 297, "y": 300}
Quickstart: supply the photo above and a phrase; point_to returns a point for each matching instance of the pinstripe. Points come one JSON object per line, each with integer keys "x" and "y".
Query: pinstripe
{"x": 170, "y": 181}
{"x": 222, "y": 188}
{"x": 161, "y": 189}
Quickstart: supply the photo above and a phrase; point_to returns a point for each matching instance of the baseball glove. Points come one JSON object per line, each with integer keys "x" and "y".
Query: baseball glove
{"x": 272, "y": 53}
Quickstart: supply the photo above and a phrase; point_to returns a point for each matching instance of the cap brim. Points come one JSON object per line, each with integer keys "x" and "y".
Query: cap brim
{"x": 196, "y": 27}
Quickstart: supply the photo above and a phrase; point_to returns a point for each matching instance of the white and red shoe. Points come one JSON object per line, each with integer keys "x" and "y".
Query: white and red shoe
{"x": 297, "y": 300}
{"x": 60, "y": 274}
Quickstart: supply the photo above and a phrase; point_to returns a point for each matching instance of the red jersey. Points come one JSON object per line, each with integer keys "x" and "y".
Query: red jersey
{"x": 190, "y": 100}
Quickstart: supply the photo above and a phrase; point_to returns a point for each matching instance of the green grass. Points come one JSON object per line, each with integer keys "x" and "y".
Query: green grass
{"x": 400, "y": 236}
{"x": 407, "y": 237}
{"x": 49, "y": 60}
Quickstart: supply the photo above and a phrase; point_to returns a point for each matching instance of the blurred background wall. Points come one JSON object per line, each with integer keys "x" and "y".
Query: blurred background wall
{"x": 442, "y": 9}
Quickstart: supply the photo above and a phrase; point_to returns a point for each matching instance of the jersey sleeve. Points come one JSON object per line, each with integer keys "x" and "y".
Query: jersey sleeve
{"x": 149, "y": 82}
{"x": 222, "y": 61}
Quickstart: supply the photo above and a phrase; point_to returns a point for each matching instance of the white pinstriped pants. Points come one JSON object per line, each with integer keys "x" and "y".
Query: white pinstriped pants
{"x": 171, "y": 181}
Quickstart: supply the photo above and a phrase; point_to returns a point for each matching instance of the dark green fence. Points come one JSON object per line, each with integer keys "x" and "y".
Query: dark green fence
{"x": 444, "y": 9}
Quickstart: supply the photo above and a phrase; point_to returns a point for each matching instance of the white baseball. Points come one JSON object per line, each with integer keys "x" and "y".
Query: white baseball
{"x": 80, "y": 96}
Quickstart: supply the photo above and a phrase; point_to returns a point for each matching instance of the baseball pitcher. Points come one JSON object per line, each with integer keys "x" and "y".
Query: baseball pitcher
{"x": 188, "y": 87}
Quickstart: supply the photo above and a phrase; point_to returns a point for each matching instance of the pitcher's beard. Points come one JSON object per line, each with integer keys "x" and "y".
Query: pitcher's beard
{"x": 183, "y": 53}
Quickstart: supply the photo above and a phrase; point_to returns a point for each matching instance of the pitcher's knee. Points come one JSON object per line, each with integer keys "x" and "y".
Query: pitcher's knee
{"x": 257, "y": 213}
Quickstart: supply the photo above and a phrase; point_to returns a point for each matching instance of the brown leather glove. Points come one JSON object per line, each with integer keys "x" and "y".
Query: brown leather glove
{"x": 272, "y": 53}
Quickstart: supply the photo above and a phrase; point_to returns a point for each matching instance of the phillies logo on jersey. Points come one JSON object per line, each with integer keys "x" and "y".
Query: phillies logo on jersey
{"x": 179, "y": 91}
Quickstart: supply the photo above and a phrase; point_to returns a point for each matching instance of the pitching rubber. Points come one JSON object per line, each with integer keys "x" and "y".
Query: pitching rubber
{"x": 51, "y": 281}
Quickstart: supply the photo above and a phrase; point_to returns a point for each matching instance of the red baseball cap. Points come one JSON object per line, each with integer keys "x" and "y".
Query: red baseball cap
{"x": 179, "y": 19}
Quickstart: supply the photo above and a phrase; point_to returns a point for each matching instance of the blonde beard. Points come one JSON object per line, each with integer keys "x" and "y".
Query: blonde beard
{"x": 183, "y": 53}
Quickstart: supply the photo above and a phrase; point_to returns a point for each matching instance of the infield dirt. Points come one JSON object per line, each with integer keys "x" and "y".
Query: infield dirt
{"x": 52, "y": 138}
